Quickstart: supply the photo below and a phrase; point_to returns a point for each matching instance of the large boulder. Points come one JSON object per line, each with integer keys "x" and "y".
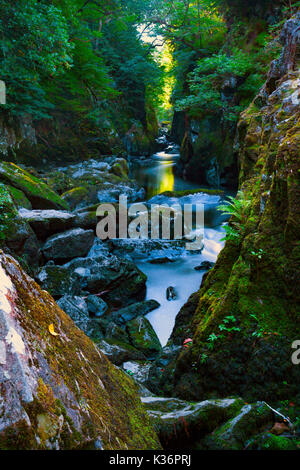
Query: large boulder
{"x": 182, "y": 424}
{"x": 123, "y": 316}
{"x": 216, "y": 424}
{"x": 58, "y": 390}
{"x": 47, "y": 222}
{"x": 70, "y": 244}
{"x": 38, "y": 193}
{"x": 118, "y": 352}
{"x": 59, "y": 280}
{"x": 120, "y": 280}
{"x": 234, "y": 434}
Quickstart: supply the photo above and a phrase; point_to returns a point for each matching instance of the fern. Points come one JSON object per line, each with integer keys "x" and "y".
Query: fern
{"x": 238, "y": 209}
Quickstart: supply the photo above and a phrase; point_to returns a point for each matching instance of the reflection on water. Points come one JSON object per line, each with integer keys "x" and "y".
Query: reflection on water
{"x": 157, "y": 175}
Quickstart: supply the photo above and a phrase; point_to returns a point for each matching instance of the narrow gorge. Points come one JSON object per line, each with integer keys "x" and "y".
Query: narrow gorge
{"x": 127, "y": 342}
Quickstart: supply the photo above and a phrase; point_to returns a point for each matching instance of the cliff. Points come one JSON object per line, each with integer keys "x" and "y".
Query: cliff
{"x": 246, "y": 315}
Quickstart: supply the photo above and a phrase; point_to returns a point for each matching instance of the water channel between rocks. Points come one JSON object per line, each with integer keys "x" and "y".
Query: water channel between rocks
{"x": 157, "y": 175}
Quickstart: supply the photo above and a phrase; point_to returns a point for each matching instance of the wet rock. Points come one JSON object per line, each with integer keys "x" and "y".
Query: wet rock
{"x": 115, "y": 332}
{"x": 80, "y": 197}
{"x": 138, "y": 370}
{"x": 234, "y": 434}
{"x": 76, "y": 307}
{"x": 143, "y": 337}
{"x": 121, "y": 281}
{"x": 69, "y": 244}
{"x": 182, "y": 424}
{"x": 59, "y": 280}
{"x": 123, "y": 316}
{"x": 171, "y": 293}
{"x": 38, "y": 193}
{"x": 47, "y": 222}
{"x": 161, "y": 260}
{"x": 205, "y": 266}
{"x": 96, "y": 306}
{"x": 58, "y": 389}
{"x": 118, "y": 352}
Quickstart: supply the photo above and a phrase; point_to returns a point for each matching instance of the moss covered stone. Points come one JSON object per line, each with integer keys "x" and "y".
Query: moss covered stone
{"x": 60, "y": 391}
{"x": 39, "y": 194}
{"x": 143, "y": 337}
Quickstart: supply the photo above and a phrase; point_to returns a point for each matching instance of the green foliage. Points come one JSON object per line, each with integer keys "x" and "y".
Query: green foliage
{"x": 215, "y": 78}
{"x": 238, "y": 208}
{"x": 35, "y": 45}
{"x": 76, "y": 56}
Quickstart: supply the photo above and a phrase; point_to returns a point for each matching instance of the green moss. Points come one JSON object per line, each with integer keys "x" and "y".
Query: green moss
{"x": 39, "y": 194}
{"x": 19, "y": 198}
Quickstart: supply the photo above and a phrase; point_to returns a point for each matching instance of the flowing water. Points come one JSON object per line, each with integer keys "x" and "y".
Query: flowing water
{"x": 156, "y": 175}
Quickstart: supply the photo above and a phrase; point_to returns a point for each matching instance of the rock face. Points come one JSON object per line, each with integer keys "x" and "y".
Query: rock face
{"x": 245, "y": 317}
{"x": 58, "y": 391}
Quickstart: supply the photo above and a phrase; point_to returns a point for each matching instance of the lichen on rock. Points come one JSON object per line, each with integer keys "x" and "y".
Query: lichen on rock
{"x": 59, "y": 392}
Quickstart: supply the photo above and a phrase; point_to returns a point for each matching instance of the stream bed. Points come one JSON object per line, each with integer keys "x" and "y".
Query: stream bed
{"x": 156, "y": 175}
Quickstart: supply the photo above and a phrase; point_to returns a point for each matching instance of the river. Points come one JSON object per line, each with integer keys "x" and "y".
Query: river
{"x": 156, "y": 175}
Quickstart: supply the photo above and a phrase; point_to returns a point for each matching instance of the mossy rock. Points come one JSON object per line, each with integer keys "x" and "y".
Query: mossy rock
{"x": 38, "y": 193}
{"x": 143, "y": 337}
{"x": 234, "y": 434}
{"x": 120, "y": 168}
{"x": 268, "y": 441}
{"x": 80, "y": 197}
{"x": 15, "y": 233}
{"x": 61, "y": 391}
{"x": 19, "y": 198}
{"x": 182, "y": 424}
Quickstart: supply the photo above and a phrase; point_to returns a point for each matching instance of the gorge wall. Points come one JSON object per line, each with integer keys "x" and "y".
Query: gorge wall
{"x": 245, "y": 317}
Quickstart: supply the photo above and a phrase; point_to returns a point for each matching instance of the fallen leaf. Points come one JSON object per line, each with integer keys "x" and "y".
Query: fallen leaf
{"x": 51, "y": 330}
{"x": 279, "y": 428}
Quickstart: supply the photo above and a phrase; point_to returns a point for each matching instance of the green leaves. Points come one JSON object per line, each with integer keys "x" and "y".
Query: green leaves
{"x": 238, "y": 208}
